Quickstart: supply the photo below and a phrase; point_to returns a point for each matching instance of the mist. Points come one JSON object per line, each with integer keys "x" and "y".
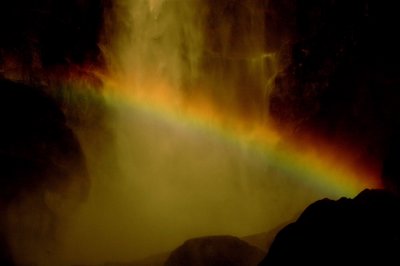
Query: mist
{"x": 174, "y": 182}
{"x": 165, "y": 178}
{"x": 181, "y": 116}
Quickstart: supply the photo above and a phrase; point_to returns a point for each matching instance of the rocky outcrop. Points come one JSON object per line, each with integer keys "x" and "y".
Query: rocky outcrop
{"x": 355, "y": 231}
{"x": 215, "y": 250}
{"x": 42, "y": 171}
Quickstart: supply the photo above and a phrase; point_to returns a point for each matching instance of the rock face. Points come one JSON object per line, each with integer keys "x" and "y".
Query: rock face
{"x": 42, "y": 169}
{"x": 50, "y": 33}
{"x": 215, "y": 250}
{"x": 340, "y": 84}
{"x": 357, "y": 231}
{"x": 36, "y": 145}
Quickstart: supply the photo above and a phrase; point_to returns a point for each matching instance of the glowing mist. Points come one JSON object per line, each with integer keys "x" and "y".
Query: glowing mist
{"x": 163, "y": 167}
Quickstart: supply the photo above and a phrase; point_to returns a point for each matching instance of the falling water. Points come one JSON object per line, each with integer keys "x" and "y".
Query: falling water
{"x": 160, "y": 177}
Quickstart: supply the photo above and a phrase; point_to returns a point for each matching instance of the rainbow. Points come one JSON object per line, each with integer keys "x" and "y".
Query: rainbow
{"x": 319, "y": 167}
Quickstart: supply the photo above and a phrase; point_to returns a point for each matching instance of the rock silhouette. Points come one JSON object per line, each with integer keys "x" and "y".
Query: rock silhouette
{"x": 42, "y": 169}
{"x": 213, "y": 251}
{"x": 357, "y": 231}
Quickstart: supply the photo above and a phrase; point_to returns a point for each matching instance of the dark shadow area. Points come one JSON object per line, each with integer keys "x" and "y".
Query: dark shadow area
{"x": 40, "y": 160}
{"x": 50, "y": 33}
{"x": 44, "y": 47}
